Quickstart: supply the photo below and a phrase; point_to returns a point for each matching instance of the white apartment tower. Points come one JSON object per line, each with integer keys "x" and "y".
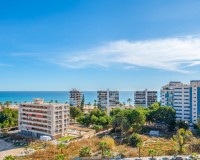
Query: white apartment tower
{"x": 145, "y": 98}
{"x": 39, "y": 118}
{"x": 184, "y": 98}
{"x": 107, "y": 99}
{"x": 194, "y": 100}
{"x": 75, "y": 98}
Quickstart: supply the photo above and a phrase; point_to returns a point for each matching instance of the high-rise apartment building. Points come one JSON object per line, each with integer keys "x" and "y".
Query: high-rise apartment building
{"x": 39, "y": 118}
{"x": 107, "y": 99}
{"x": 194, "y": 101}
{"x": 75, "y": 97}
{"x": 145, "y": 98}
{"x": 184, "y": 98}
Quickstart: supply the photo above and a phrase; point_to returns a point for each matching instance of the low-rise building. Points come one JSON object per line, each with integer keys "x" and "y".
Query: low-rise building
{"x": 39, "y": 118}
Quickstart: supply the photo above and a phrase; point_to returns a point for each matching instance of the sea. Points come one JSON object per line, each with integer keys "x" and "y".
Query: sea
{"x": 60, "y": 96}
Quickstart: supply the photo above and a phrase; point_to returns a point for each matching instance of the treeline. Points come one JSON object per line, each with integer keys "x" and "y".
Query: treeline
{"x": 8, "y": 118}
{"x": 127, "y": 118}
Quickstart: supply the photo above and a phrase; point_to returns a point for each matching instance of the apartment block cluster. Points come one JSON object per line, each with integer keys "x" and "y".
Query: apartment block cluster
{"x": 38, "y": 118}
{"x": 184, "y": 98}
{"x": 107, "y": 100}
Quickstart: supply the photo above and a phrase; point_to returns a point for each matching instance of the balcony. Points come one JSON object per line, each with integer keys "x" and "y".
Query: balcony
{"x": 35, "y": 107}
{"x": 32, "y": 111}
{"x": 33, "y": 121}
{"x": 34, "y": 127}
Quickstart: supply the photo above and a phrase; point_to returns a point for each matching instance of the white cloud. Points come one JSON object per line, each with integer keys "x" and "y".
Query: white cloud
{"x": 171, "y": 54}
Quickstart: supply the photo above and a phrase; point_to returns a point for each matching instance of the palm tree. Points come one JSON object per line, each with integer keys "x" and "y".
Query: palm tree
{"x": 120, "y": 104}
{"x": 56, "y": 101}
{"x": 61, "y": 147}
{"x": 85, "y": 152}
{"x": 1, "y": 105}
{"x": 102, "y": 146}
{"x": 95, "y": 103}
{"x": 129, "y": 100}
{"x": 7, "y": 103}
{"x": 60, "y": 157}
{"x": 139, "y": 145}
{"x": 152, "y": 153}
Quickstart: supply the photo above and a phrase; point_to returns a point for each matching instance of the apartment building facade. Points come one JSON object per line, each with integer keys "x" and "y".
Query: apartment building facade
{"x": 75, "y": 98}
{"x": 184, "y": 98}
{"x": 38, "y": 118}
{"x": 145, "y": 98}
{"x": 194, "y": 100}
{"x": 107, "y": 100}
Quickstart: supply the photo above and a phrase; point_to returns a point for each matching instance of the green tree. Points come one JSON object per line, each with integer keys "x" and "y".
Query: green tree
{"x": 85, "y": 152}
{"x": 98, "y": 128}
{"x": 95, "y": 103}
{"x": 115, "y": 111}
{"x": 152, "y": 153}
{"x": 137, "y": 119}
{"x": 181, "y": 138}
{"x": 94, "y": 119}
{"x": 154, "y": 106}
{"x": 166, "y": 115}
{"x": 182, "y": 124}
{"x": 60, "y": 157}
{"x": 136, "y": 141}
{"x": 75, "y": 112}
{"x": 9, "y": 158}
{"x": 129, "y": 100}
{"x": 82, "y": 102}
{"x": 8, "y": 103}
{"x": 120, "y": 121}
{"x": 8, "y": 118}
{"x": 104, "y": 121}
{"x": 198, "y": 123}
{"x": 56, "y": 101}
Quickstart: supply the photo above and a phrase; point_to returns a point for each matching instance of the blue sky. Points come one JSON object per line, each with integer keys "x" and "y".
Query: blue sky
{"x": 98, "y": 44}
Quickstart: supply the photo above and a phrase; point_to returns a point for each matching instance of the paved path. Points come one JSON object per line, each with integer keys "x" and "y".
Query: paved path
{"x": 7, "y": 148}
{"x": 159, "y": 157}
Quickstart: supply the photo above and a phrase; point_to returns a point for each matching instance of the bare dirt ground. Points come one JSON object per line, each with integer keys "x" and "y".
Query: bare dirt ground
{"x": 7, "y": 148}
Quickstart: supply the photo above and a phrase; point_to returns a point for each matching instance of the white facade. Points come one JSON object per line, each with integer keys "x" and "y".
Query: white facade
{"x": 195, "y": 100}
{"x": 184, "y": 98}
{"x": 181, "y": 102}
{"x": 38, "y": 118}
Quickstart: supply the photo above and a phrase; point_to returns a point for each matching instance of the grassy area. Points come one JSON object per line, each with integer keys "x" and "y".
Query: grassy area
{"x": 65, "y": 138}
{"x": 163, "y": 146}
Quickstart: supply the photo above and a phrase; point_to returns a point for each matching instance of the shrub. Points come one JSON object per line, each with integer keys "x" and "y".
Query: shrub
{"x": 135, "y": 140}
{"x": 85, "y": 152}
{"x": 9, "y": 158}
{"x": 98, "y": 128}
{"x": 110, "y": 142}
